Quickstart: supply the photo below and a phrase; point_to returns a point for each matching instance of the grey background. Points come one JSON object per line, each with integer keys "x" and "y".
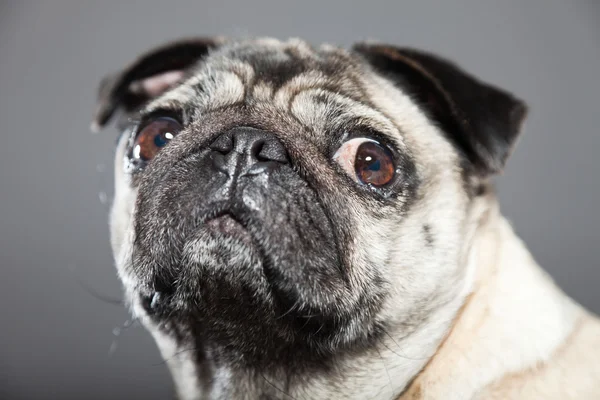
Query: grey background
{"x": 55, "y": 336}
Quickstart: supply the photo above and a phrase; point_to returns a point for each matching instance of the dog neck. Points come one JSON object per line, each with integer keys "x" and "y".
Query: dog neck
{"x": 511, "y": 318}
{"x": 513, "y": 321}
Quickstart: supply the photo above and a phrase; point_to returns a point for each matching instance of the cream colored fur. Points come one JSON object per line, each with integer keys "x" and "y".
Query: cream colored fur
{"x": 517, "y": 337}
{"x": 473, "y": 318}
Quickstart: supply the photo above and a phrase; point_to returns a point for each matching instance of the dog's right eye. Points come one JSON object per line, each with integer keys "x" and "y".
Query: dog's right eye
{"x": 154, "y": 136}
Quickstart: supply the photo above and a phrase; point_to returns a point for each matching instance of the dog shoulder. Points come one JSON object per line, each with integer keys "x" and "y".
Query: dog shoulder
{"x": 572, "y": 372}
{"x": 525, "y": 341}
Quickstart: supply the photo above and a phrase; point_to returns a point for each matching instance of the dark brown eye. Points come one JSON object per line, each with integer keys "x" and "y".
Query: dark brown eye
{"x": 154, "y": 136}
{"x": 374, "y": 164}
{"x": 367, "y": 161}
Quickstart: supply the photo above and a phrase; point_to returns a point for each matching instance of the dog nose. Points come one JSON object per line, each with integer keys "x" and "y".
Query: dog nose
{"x": 247, "y": 151}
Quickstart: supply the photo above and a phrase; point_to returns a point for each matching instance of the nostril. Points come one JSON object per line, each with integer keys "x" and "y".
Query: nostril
{"x": 272, "y": 150}
{"x": 257, "y": 148}
{"x": 224, "y": 144}
{"x": 247, "y": 151}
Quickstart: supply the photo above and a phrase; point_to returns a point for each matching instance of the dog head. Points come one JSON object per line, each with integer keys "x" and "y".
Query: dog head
{"x": 280, "y": 209}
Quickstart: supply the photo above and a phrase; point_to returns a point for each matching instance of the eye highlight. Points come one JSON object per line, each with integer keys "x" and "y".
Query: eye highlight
{"x": 367, "y": 162}
{"x": 154, "y": 136}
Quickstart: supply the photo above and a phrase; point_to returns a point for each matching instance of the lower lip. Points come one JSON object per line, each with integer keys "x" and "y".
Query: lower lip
{"x": 229, "y": 226}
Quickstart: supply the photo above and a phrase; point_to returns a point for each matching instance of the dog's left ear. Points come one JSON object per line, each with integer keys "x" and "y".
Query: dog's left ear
{"x": 150, "y": 75}
{"x": 483, "y": 121}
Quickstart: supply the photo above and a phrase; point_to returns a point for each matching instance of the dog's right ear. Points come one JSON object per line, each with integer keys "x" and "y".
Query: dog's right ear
{"x": 148, "y": 76}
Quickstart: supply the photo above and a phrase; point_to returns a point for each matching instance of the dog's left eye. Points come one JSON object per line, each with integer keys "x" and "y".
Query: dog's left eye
{"x": 366, "y": 161}
{"x": 154, "y": 136}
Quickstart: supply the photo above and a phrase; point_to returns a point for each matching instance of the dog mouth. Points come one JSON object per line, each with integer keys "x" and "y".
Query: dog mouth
{"x": 226, "y": 224}
{"x": 221, "y": 254}
{"x": 257, "y": 272}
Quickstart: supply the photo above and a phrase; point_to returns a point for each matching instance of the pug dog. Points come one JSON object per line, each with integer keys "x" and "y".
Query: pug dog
{"x": 292, "y": 222}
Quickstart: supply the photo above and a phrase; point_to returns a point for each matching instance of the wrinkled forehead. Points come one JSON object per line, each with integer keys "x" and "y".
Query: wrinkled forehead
{"x": 274, "y": 63}
{"x": 324, "y": 85}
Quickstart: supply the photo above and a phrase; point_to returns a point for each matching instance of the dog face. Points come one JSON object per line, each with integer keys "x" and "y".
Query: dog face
{"x": 281, "y": 208}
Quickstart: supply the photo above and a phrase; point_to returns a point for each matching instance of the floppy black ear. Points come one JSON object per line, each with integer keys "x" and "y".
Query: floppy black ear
{"x": 482, "y": 120}
{"x": 148, "y": 76}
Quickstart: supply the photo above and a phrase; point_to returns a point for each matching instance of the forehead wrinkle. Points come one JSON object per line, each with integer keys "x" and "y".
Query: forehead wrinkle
{"x": 309, "y": 112}
{"x": 347, "y": 86}
{"x": 350, "y": 110}
{"x": 182, "y": 94}
{"x": 261, "y": 91}
{"x": 216, "y": 88}
{"x": 230, "y": 89}
{"x": 206, "y": 90}
{"x": 286, "y": 95}
{"x": 244, "y": 71}
{"x": 173, "y": 99}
